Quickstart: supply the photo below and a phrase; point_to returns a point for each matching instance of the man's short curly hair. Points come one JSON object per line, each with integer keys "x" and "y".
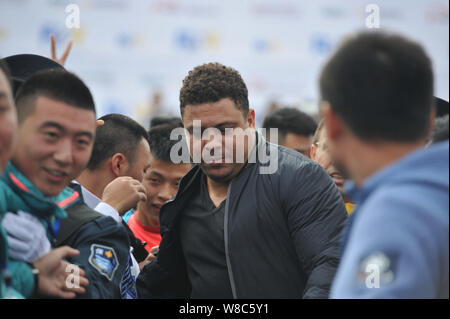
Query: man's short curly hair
{"x": 211, "y": 82}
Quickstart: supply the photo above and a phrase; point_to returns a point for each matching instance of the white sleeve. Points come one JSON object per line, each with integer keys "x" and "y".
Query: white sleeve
{"x": 107, "y": 210}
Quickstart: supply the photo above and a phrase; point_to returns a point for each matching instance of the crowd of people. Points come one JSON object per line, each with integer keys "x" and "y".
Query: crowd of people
{"x": 356, "y": 207}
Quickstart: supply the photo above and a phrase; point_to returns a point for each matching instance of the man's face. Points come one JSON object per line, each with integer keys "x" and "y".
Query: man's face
{"x": 221, "y": 115}
{"x": 141, "y": 161}
{"x": 8, "y": 121}
{"x": 320, "y": 154}
{"x": 299, "y": 143}
{"x": 54, "y": 144}
{"x": 161, "y": 181}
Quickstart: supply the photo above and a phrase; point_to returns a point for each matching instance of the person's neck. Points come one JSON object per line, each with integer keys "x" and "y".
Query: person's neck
{"x": 217, "y": 190}
{"x": 94, "y": 181}
{"x": 367, "y": 159}
{"x": 145, "y": 217}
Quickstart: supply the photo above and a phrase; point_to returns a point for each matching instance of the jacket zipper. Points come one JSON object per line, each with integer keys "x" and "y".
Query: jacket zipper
{"x": 225, "y": 237}
{"x": 225, "y": 228}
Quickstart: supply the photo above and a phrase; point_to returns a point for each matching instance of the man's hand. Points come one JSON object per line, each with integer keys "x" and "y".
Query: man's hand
{"x": 63, "y": 58}
{"x": 150, "y": 257}
{"x": 123, "y": 193}
{"x": 53, "y": 273}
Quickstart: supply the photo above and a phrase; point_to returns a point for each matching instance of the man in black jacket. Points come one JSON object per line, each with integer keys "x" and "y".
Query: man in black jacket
{"x": 243, "y": 225}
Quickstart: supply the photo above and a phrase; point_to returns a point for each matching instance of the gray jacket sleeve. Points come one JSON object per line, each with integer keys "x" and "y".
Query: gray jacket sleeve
{"x": 315, "y": 214}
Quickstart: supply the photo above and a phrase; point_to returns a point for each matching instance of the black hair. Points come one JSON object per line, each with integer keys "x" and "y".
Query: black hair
{"x": 4, "y": 67}
{"x": 158, "y": 120}
{"x": 381, "y": 85}
{"x": 290, "y": 120}
{"x": 212, "y": 82}
{"x": 56, "y": 84}
{"x": 160, "y": 142}
{"x": 119, "y": 134}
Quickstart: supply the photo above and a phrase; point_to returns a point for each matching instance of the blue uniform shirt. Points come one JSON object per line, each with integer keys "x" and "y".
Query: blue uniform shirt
{"x": 396, "y": 243}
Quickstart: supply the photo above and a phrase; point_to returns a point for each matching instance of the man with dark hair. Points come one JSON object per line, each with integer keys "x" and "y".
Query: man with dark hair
{"x": 18, "y": 279}
{"x": 295, "y": 128}
{"x": 119, "y": 134}
{"x": 120, "y": 157}
{"x": 377, "y": 93}
{"x": 319, "y": 153}
{"x": 54, "y": 143}
{"x": 161, "y": 181}
{"x": 234, "y": 230}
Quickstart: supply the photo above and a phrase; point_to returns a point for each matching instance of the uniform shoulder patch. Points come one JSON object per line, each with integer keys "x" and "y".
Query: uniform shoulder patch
{"x": 104, "y": 259}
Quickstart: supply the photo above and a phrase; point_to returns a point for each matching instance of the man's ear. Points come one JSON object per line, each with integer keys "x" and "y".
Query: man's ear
{"x": 312, "y": 152}
{"x": 333, "y": 123}
{"x": 251, "y": 118}
{"x": 119, "y": 164}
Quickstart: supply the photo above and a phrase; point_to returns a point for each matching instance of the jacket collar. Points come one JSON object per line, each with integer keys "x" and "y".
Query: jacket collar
{"x": 40, "y": 205}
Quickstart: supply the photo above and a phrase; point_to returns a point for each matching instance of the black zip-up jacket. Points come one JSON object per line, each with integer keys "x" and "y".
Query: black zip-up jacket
{"x": 281, "y": 231}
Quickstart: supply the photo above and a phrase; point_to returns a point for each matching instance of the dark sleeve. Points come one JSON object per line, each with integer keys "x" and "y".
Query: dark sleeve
{"x": 165, "y": 276}
{"x": 316, "y": 215}
{"x": 104, "y": 252}
{"x": 139, "y": 251}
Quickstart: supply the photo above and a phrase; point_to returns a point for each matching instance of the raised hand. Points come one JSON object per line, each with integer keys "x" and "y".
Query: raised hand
{"x": 123, "y": 193}
{"x": 63, "y": 58}
{"x": 152, "y": 255}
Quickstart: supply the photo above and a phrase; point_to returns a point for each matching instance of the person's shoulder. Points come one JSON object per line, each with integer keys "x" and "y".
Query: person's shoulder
{"x": 293, "y": 164}
{"x": 84, "y": 222}
{"x": 293, "y": 160}
{"x": 7, "y": 195}
{"x": 104, "y": 229}
{"x": 398, "y": 208}
{"x": 81, "y": 210}
{"x": 406, "y": 198}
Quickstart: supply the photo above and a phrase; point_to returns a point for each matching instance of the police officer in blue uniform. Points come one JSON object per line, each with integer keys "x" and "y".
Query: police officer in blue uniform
{"x": 104, "y": 250}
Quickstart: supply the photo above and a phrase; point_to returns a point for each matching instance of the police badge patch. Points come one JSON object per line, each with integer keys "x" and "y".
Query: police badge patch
{"x": 104, "y": 259}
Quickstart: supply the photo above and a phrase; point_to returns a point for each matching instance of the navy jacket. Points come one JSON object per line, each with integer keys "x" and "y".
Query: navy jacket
{"x": 281, "y": 232}
{"x": 104, "y": 249}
